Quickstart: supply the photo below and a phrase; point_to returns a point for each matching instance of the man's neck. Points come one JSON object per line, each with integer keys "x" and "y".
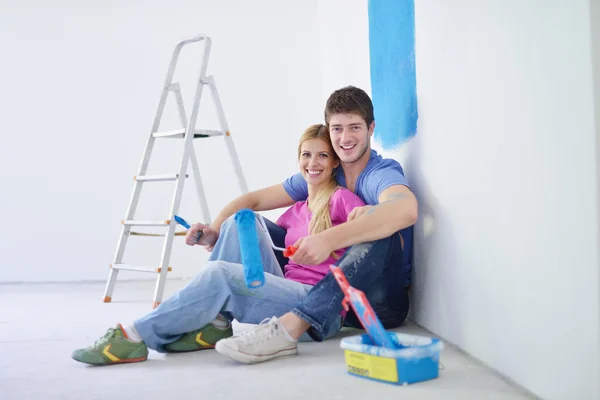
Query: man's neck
{"x": 353, "y": 170}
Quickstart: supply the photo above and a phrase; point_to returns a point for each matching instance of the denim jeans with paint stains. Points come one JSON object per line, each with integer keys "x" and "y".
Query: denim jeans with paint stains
{"x": 373, "y": 267}
{"x": 219, "y": 288}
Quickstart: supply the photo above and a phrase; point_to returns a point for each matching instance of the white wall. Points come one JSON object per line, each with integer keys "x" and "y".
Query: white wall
{"x": 505, "y": 171}
{"x": 595, "y": 23}
{"x": 504, "y": 163}
{"x": 505, "y": 168}
{"x": 80, "y": 86}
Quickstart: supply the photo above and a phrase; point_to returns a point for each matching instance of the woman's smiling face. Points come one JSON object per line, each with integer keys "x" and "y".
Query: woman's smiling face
{"x": 317, "y": 161}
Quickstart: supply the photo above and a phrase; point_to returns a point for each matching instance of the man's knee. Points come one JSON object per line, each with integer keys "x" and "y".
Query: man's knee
{"x": 379, "y": 250}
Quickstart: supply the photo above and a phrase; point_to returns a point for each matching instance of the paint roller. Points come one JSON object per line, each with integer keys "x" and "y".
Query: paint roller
{"x": 185, "y": 224}
{"x": 254, "y": 272}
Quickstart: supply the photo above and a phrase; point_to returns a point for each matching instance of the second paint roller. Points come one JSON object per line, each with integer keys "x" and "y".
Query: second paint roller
{"x": 254, "y": 272}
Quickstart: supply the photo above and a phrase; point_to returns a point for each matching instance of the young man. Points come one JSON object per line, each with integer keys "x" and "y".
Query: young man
{"x": 376, "y": 233}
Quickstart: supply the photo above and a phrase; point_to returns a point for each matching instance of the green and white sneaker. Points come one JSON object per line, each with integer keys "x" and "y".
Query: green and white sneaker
{"x": 112, "y": 348}
{"x": 201, "y": 339}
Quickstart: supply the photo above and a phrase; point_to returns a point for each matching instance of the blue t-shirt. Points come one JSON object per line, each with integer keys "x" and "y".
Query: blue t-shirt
{"x": 379, "y": 174}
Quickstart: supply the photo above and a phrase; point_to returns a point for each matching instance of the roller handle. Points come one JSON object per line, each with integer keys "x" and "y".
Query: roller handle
{"x": 184, "y": 223}
{"x": 289, "y": 251}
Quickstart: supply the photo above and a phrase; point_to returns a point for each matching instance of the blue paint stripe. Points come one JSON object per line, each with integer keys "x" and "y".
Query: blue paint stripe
{"x": 393, "y": 75}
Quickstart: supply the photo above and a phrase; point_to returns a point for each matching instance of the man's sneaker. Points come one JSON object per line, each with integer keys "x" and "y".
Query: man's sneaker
{"x": 264, "y": 342}
{"x": 112, "y": 348}
{"x": 201, "y": 339}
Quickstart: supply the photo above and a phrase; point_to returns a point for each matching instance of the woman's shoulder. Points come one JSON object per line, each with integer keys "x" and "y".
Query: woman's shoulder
{"x": 298, "y": 208}
{"x": 346, "y": 195}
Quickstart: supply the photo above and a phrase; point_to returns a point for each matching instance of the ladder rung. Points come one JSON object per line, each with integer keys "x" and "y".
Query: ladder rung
{"x": 178, "y": 133}
{"x": 146, "y": 223}
{"x": 155, "y": 178}
{"x": 183, "y": 233}
{"x": 126, "y": 267}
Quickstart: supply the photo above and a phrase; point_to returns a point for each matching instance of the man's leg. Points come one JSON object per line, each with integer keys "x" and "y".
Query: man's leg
{"x": 387, "y": 295}
{"x": 370, "y": 267}
{"x": 363, "y": 264}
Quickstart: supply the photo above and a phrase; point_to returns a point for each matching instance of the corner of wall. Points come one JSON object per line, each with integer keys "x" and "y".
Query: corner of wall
{"x": 595, "y": 53}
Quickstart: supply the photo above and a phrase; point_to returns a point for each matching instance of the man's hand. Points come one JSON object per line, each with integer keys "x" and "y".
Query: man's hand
{"x": 208, "y": 239}
{"x": 358, "y": 211}
{"x": 311, "y": 250}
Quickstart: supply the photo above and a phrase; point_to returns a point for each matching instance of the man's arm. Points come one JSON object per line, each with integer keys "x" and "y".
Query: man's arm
{"x": 269, "y": 198}
{"x": 397, "y": 209}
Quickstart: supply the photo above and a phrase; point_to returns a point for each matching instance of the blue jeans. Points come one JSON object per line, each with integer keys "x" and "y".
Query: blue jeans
{"x": 219, "y": 288}
{"x": 373, "y": 267}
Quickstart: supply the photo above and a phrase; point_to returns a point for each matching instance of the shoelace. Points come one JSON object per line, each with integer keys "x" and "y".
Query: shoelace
{"x": 109, "y": 334}
{"x": 266, "y": 330}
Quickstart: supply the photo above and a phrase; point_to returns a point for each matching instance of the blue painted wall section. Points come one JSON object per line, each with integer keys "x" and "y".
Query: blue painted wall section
{"x": 393, "y": 75}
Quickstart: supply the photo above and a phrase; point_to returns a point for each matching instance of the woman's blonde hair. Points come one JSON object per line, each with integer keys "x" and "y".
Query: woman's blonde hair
{"x": 319, "y": 206}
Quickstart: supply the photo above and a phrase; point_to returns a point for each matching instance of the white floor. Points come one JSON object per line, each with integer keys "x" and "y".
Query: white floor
{"x": 40, "y": 324}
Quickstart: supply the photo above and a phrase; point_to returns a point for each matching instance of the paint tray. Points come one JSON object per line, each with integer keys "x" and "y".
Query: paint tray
{"x": 415, "y": 359}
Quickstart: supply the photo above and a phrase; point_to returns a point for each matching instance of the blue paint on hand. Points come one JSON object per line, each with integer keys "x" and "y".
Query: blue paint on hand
{"x": 393, "y": 71}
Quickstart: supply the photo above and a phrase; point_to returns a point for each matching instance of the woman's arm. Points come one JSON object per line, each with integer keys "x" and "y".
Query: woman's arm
{"x": 269, "y": 198}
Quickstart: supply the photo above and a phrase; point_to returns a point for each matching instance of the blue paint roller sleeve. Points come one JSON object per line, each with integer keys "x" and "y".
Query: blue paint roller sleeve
{"x": 254, "y": 272}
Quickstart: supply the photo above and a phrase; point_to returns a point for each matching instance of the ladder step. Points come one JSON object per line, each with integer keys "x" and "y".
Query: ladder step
{"x": 178, "y": 133}
{"x": 155, "y": 178}
{"x": 146, "y": 223}
{"x": 126, "y": 267}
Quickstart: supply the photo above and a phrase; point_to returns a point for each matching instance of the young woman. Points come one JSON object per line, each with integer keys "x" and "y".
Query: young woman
{"x": 200, "y": 314}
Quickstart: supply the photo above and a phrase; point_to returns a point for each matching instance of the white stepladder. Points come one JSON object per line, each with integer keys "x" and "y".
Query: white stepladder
{"x": 187, "y": 133}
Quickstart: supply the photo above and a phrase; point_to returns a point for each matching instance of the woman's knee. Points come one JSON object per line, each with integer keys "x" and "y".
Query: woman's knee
{"x": 219, "y": 267}
{"x": 210, "y": 271}
{"x": 228, "y": 224}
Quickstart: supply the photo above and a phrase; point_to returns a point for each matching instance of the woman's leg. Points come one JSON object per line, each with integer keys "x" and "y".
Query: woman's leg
{"x": 191, "y": 308}
{"x": 209, "y": 293}
{"x": 218, "y": 288}
{"x": 227, "y": 247}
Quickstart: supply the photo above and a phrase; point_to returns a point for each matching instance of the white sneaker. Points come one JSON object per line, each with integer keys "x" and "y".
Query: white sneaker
{"x": 262, "y": 343}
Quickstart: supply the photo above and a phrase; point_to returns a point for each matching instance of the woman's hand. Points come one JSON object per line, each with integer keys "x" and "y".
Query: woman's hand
{"x": 311, "y": 250}
{"x": 208, "y": 236}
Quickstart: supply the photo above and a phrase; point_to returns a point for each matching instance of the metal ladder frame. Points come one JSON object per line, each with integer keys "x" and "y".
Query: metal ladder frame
{"x": 188, "y": 134}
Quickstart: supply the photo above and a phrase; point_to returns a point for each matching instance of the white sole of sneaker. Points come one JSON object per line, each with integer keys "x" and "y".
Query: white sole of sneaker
{"x": 252, "y": 358}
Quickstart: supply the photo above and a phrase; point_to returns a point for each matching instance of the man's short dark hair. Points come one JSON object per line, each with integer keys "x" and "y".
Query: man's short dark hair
{"x": 350, "y": 100}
